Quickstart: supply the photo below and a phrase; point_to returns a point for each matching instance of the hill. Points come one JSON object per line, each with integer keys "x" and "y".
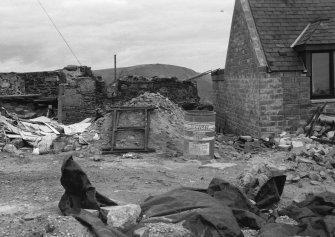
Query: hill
{"x": 150, "y": 70}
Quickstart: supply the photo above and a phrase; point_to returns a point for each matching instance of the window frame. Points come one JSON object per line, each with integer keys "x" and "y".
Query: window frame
{"x": 308, "y": 62}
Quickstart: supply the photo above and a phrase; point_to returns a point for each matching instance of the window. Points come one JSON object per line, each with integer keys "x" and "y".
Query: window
{"x": 322, "y": 74}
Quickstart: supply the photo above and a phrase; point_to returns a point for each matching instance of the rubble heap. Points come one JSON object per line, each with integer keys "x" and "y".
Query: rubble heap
{"x": 166, "y": 124}
{"x": 323, "y": 128}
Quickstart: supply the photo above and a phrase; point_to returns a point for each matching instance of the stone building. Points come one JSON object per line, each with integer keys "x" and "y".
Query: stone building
{"x": 279, "y": 66}
{"x": 81, "y": 93}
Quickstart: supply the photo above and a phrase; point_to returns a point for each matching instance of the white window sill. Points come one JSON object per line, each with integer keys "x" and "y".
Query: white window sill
{"x": 323, "y": 101}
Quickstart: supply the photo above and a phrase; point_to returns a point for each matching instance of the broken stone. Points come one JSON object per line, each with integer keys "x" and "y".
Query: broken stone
{"x": 220, "y": 166}
{"x": 217, "y": 155}
{"x": 141, "y": 232}
{"x": 291, "y": 156}
{"x": 68, "y": 148}
{"x": 246, "y": 138}
{"x": 323, "y": 174}
{"x": 131, "y": 156}
{"x": 284, "y": 147}
{"x": 315, "y": 177}
{"x": 18, "y": 143}
{"x": 282, "y": 168}
{"x": 317, "y": 157}
{"x": 315, "y": 182}
{"x": 304, "y": 160}
{"x": 161, "y": 229}
{"x": 96, "y": 158}
{"x": 123, "y": 217}
{"x": 297, "y": 144}
{"x": 10, "y": 148}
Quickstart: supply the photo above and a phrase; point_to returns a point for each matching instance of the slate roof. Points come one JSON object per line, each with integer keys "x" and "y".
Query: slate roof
{"x": 280, "y": 22}
{"x": 319, "y": 32}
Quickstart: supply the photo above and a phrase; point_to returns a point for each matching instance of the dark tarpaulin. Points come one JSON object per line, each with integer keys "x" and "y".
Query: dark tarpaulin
{"x": 79, "y": 195}
{"x": 316, "y": 215}
{"x": 220, "y": 210}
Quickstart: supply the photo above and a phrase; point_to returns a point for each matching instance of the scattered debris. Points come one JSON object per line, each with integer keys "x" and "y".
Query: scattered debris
{"x": 123, "y": 217}
{"x": 131, "y": 156}
{"x": 220, "y": 166}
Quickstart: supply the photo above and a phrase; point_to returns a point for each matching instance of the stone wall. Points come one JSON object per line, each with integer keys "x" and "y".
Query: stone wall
{"x": 249, "y": 99}
{"x": 180, "y": 92}
{"x": 44, "y": 83}
{"x": 82, "y": 95}
{"x": 238, "y": 92}
{"x": 79, "y": 100}
{"x": 11, "y": 84}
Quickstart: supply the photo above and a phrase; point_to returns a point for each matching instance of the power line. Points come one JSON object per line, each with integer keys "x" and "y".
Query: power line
{"x": 61, "y": 35}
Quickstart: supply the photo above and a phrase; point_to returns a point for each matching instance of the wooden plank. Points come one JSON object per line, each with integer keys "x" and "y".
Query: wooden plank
{"x": 146, "y": 131}
{"x": 113, "y": 129}
{"x": 15, "y": 97}
{"x": 315, "y": 118}
{"x": 130, "y": 128}
{"x": 125, "y": 150}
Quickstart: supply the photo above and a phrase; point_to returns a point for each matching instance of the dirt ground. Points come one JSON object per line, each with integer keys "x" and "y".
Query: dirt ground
{"x": 30, "y": 188}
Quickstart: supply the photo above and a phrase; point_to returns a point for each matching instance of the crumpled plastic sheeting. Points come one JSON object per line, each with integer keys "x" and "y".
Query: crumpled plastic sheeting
{"x": 79, "y": 195}
{"x": 315, "y": 215}
{"x": 221, "y": 210}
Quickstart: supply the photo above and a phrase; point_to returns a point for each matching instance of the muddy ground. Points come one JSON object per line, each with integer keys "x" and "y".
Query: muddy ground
{"x": 30, "y": 188}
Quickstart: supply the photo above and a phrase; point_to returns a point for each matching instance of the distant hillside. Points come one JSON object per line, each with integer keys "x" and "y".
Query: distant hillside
{"x": 150, "y": 70}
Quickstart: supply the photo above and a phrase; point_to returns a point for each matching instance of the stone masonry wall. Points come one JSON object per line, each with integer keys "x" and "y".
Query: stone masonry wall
{"x": 79, "y": 100}
{"x": 11, "y": 84}
{"x": 44, "y": 83}
{"x": 238, "y": 100}
{"x": 179, "y": 92}
{"x": 250, "y": 100}
{"x": 217, "y": 79}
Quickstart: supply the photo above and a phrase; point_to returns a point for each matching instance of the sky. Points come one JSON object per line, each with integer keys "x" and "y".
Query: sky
{"x": 188, "y": 33}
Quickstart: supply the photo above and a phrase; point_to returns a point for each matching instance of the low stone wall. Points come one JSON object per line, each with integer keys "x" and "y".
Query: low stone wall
{"x": 179, "y": 92}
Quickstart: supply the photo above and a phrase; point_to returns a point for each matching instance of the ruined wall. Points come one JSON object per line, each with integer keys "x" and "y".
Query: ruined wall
{"x": 44, "y": 83}
{"x": 11, "y": 84}
{"x": 179, "y": 92}
{"x": 83, "y": 92}
{"x": 81, "y": 98}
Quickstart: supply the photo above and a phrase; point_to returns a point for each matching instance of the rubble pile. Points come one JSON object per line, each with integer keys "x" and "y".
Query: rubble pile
{"x": 306, "y": 159}
{"x": 41, "y": 135}
{"x": 239, "y": 147}
{"x": 323, "y": 128}
{"x": 166, "y": 125}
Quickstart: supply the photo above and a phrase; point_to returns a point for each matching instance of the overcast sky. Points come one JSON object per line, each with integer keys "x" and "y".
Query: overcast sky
{"x": 189, "y": 33}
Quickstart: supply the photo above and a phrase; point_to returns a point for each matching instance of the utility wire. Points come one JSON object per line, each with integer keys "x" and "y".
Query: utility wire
{"x": 61, "y": 35}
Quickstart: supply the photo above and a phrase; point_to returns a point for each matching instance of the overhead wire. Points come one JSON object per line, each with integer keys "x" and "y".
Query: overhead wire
{"x": 59, "y": 32}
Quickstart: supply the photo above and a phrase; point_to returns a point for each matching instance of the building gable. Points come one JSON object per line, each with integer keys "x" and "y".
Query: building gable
{"x": 244, "y": 49}
{"x": 280, "y": 22}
